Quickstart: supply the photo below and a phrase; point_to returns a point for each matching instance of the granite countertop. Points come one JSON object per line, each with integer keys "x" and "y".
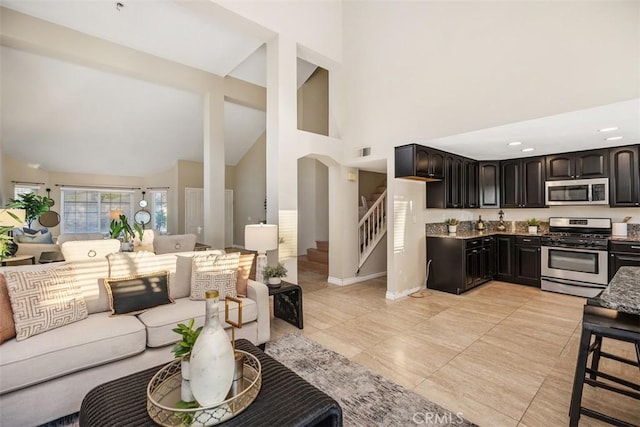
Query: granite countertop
{"x": 474, "y": 234}
{"x": 623, "y": 292}
{"x": 625, "y": 239}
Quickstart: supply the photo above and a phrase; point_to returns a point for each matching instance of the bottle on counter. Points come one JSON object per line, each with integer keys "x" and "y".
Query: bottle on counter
{"x": 480, "y": 224}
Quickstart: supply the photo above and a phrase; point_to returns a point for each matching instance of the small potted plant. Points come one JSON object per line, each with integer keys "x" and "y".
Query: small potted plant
{"x": 275, "y": 274}
{"x": 452, "y": 224}
{"x": 533, "y": 225}
{"x": 120, "y": 228}
{"x": 182, "y": 350}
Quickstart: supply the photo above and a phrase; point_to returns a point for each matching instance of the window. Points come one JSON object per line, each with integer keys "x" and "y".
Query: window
{"x": 159, "y": 210}
{"x": 19, "y": 189}
{"x": 87, "y": 210}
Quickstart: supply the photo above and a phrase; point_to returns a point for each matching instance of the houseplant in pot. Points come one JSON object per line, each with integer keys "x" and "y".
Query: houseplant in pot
{"x": 452, "y": 224}
{"x": 533, "y": 225}
{"x": 275, "y": 274}
{"x": 33, "y": 205}
{"x": 120, "y": 228}
{"x": 182, "y": 350}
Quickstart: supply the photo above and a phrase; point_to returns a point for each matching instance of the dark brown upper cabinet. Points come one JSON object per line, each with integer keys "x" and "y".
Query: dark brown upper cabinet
{"x": 417, "y": 162}
{"x": 624, "y": 181}
{"x": 489, "y": 184}
{"x": 522, "y": 183}
{"x": 459, "y": 188}
{"x": 471, "y": 184}
{"x": 578, "y": 165}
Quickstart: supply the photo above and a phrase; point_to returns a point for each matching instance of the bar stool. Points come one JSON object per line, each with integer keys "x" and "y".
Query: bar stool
{"x": 603, "y": 322}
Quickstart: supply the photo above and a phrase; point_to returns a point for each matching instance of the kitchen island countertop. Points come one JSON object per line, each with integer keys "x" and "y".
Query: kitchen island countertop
{"x": 623, "y": 292}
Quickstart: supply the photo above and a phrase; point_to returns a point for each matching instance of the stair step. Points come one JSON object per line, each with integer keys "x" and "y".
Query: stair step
{"x": 382, "y": 188}
{"x": 322, "y": 245}
{"x": 320, "y": 257}
{"x": 375, "y": 196}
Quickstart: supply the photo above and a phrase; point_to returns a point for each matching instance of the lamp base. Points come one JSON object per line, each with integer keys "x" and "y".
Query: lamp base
{"x": 261, "y": 264}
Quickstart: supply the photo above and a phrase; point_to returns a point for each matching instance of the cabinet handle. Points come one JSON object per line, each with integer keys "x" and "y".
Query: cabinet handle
{"x": 538, "y": 249}
{"x": 526, "y": 240}
{"x": 635, "y": 247}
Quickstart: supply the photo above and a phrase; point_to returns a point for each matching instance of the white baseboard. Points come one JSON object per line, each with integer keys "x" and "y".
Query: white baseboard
{"x": 352, "y": 280}
{"x": 398, "y": 295}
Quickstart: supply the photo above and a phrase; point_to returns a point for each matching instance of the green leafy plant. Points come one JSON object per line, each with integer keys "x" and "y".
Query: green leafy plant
{"x": 277, "y": 271}
{"x": 182, "y": 349}
{"x": 122, "y": 227}
{"x": 5, "y": 239}
{"x": 186, "y": 418}
{"x": 533, "y": 222}
{"x": 452, "y": 221}
{"x": 33, "y": 205}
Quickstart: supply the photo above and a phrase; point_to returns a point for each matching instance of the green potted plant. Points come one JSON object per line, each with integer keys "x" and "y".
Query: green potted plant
{"x": 182, "y": 350}
{"x": 33, "y": 205}
{"x": 275, "y": 274}
{"x": 121, "y": 228}
{"x": 452, "y": 224}
{"x": 533, "y": 225}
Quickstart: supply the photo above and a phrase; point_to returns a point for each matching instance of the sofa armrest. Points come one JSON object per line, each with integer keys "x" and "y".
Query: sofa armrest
{"x": 259, "y": 292}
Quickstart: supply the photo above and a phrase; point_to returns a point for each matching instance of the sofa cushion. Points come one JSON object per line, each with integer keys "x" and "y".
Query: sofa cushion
{"x": 34, "y": 238}
{"x": 245, "y": 266}
{"x": 160, "y": 321}
{"x": 127, "y": 264}
{"x": 83, "y": 250}
{"x": 43, "y": 300}
{"x": 90, "y": 276}
{"x": 211, "y": 272}
{"x": 96, "y": 340}
{"x": 133, "y": 295}
{"x": 7, "y": 327}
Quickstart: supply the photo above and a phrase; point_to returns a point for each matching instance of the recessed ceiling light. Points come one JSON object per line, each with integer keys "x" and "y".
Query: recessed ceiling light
{"x": 611, "y": 129}
{"x": 613, "y": 138}
{"x": 515, "y": 143}
{"x": 526, "y": 150}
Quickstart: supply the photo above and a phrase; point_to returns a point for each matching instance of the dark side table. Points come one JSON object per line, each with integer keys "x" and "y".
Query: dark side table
{"x": 287, "y": 303}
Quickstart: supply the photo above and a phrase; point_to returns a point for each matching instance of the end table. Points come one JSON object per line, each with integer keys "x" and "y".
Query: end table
{"x": 17, "y": 258}
{"x": 287, "y": 303}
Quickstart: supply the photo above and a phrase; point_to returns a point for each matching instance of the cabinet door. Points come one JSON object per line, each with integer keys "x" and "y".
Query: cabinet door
{"x": 591, "y": 164}
{"x": 560, "y": 166}
{"x": 528, "y": 265}
{"x": 623, "y": 180}
{"x": 470, "y": 199}
{"x": 471, "y": 267}
{"x": 454, "y": 181}
{"x": 489, "y": 184}
{"x": 422, "y": 159}
{"x": 510, "y": 184}
{"x": 489, "y": 257}
{"x": 505, "y": 263}
{"x": 436, "y": 164}
{"x": 617, "y": 260}
{"x": 533, "y": 182}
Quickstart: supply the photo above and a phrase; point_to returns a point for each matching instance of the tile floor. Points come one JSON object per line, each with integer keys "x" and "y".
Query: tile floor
{"x": 501, "y": 354}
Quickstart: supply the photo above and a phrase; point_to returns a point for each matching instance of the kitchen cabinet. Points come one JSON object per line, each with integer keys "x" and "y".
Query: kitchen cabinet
{"x": 527, "y": 261}
{"x": 505, "y": 262}
{"x": 577, "y": 165}
{"x": 624, "y": 177}
{"x": 458, "y": 189}
{"x": 622, "y": 254}
{"x": 489, "y": 184}
{"x": 522, "y": 183}
{"x": 471, "y": 184}
{"x": 458, "y": 265}
{"x": 415, "y": 161}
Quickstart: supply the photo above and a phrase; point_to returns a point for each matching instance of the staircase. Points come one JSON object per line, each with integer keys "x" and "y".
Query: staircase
{"x": 320, "y": 253}
{"x": 373, "y": 224}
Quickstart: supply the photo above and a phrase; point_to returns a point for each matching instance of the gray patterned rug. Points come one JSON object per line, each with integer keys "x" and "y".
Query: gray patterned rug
{"x": 366, "y": 398}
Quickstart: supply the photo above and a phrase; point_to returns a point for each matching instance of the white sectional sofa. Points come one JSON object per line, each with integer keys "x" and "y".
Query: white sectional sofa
{"x": 46, "y": 376}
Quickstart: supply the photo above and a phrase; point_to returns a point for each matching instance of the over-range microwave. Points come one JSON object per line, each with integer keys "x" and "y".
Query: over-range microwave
{"x": 577, "y": 192}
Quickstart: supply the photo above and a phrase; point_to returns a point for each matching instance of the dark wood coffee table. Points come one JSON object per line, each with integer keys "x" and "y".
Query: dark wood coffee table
{"x": 285, "y": 399}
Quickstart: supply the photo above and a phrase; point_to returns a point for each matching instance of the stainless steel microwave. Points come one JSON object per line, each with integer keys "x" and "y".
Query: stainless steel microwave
{"x": 577, "y": 192}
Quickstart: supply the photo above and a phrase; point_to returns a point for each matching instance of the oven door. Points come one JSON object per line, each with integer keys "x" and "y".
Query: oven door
{"x": 583, "y": 265}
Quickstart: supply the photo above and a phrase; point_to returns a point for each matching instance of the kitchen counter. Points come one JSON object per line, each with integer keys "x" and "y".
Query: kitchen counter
{"x": 623, "y": 292}
{"x": 474, "y": 234}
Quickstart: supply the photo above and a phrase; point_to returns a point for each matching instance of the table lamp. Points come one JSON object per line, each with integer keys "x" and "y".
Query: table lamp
{"x": 261, "y": 238}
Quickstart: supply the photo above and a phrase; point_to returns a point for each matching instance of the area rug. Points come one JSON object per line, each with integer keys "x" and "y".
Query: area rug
{"x": 366, "y": 398}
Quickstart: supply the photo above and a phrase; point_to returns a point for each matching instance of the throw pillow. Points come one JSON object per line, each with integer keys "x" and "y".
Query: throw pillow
{"x": 210, "y": 272}
{"x": 7, "y": 327}
{"x": 44, "y": 299}
{"x": 35, "y": 238}
{"x": 134, "y": 295}
{"x": 245, "y": 266}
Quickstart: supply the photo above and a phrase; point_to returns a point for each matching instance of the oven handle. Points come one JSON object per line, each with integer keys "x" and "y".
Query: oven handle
{"x": 574, "y": 282}
{"x": 588, "y": 251}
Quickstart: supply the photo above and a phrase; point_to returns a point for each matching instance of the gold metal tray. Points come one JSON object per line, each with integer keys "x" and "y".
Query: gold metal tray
{"x": 163, "y": 392}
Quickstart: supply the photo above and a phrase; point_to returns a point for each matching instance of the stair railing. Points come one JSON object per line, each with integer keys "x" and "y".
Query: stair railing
{"x": 371, "y": 228}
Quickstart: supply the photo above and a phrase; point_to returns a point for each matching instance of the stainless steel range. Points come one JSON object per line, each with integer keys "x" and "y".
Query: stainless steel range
{"x": 574, "y": 256}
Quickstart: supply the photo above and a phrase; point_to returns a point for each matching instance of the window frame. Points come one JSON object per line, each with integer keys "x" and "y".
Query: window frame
{"x": 128, "y": 208}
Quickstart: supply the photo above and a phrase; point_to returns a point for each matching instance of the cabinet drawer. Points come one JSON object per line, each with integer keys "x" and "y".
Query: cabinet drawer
{"x": 487, "y": 241}
{"x": 527, "y": 241}
{"x": 627, "y": 247}
{"x": 473, "y": 243}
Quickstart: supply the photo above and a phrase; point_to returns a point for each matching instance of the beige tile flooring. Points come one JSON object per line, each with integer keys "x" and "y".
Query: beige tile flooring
{"x": 501, "y": 354}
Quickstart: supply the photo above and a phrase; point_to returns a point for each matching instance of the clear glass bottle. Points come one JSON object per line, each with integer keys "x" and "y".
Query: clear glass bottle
{"x": 212, "y": 359}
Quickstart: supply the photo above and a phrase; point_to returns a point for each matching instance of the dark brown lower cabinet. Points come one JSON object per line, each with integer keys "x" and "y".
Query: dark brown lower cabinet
{"x": 527, "y": 258}
{"x": 623, "y": 254}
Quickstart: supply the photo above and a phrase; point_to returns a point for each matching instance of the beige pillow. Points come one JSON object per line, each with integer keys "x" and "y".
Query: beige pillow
{"x": 246, "y": 266}
{"x": 209, "y": 272}
{"x": 43, "y": 300}
{"x": 7, "y": 327}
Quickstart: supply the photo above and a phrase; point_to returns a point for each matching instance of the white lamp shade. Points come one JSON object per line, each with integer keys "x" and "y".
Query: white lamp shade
{"x": 261, "y": 237}
{"x": 115, "y": 213}
{"x": 7, "y": 220}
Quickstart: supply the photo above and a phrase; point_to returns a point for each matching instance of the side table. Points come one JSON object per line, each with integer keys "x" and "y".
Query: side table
{"x": 287, "y": 303}
{"x": 18, "y": 258}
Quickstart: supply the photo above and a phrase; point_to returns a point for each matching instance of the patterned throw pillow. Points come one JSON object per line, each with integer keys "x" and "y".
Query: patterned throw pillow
{"x": 134, "y": 295}
{"x": 209, "y": 272}
{"x": 43, "y": 300}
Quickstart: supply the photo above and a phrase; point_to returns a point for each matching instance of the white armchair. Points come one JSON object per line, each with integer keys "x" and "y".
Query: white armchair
{"x": 82, "y": 250}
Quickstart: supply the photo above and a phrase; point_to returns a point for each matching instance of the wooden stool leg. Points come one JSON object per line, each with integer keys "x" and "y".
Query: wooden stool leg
{"x": 595, "y": 360}
{"x": 578, "y": 379}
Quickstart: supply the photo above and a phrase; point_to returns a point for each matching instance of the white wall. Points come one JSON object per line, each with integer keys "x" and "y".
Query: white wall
{"x": 313, "y": 203}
